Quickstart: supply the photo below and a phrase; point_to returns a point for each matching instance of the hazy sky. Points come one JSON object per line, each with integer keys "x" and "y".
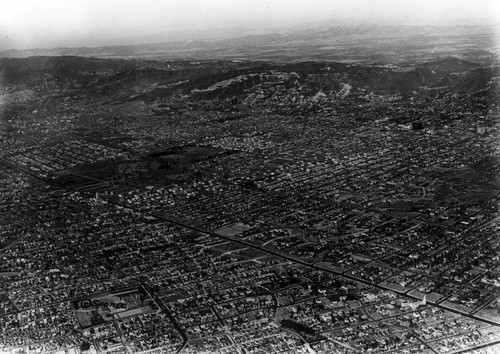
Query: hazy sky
{"x": 50, "y": 23}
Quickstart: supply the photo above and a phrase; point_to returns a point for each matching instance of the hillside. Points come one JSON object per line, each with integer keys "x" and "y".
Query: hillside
{"x": 150, "y": 80}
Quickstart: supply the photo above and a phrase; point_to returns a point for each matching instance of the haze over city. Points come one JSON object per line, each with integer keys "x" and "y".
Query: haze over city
{"x": 53, "y": 23}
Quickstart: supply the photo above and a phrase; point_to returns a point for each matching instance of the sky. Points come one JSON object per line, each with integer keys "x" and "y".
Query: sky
{"x": 52, "y": 23}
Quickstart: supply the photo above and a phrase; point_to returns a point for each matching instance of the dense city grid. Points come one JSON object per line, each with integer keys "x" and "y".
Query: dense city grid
{"x": 234, "y": 207}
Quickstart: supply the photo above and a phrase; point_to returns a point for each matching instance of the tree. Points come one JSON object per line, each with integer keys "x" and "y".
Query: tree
{"x": 84, "y": 346}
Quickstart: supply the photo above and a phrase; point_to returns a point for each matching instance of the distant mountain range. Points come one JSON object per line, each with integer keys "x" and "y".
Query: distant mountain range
{"x": 340, "y": 42}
